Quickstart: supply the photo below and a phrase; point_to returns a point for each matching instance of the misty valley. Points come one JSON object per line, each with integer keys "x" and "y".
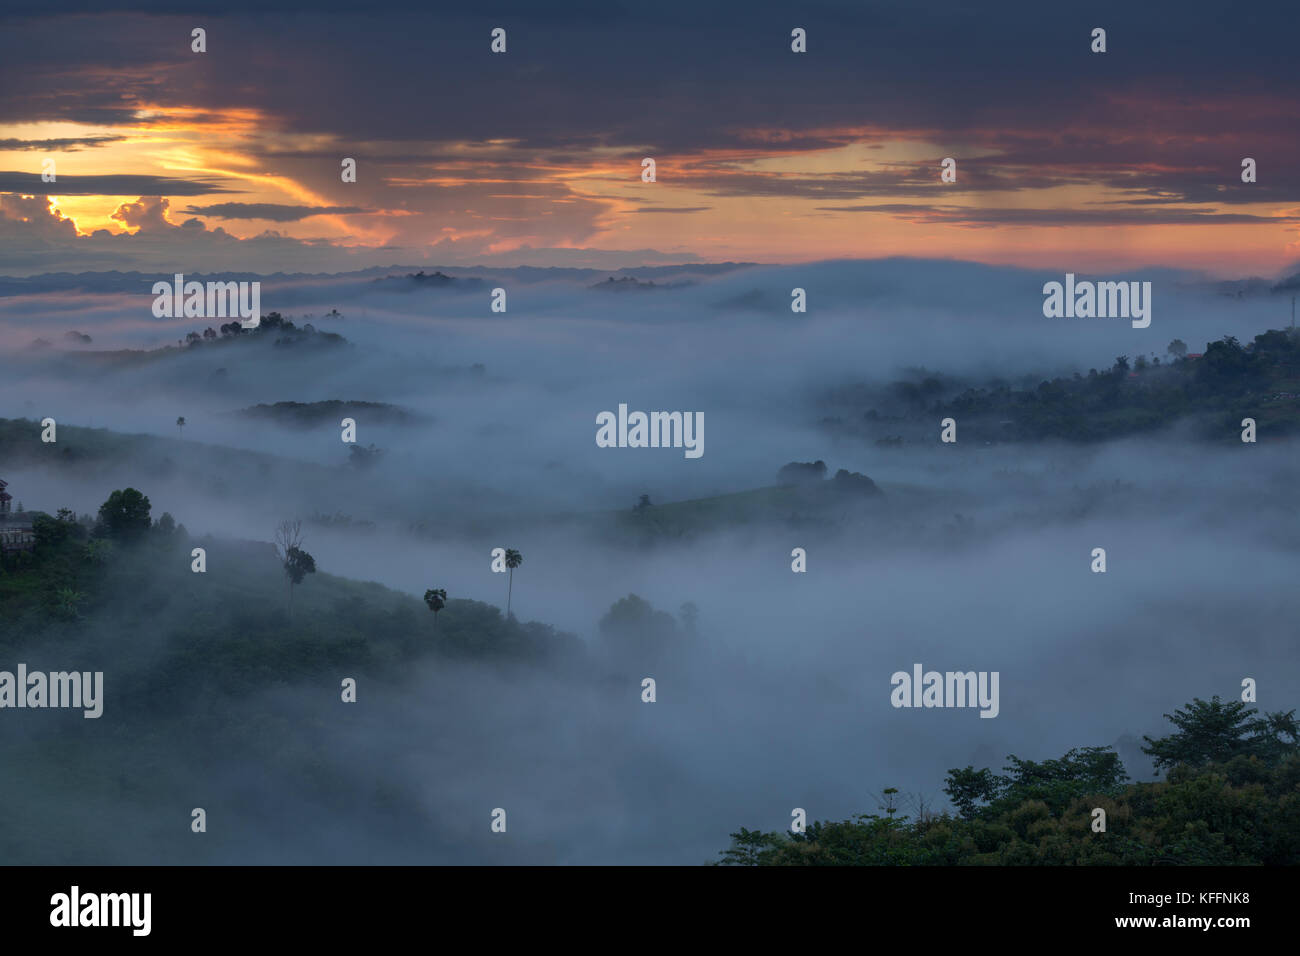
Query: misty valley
{"x": 365, "y": 585}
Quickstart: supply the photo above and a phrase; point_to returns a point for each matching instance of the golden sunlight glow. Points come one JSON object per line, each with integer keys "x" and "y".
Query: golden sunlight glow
{"x": 769, "y": 201}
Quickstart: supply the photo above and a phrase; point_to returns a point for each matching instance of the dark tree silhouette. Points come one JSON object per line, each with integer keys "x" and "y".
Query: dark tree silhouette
{"x": 125, "y": 514}
{"x": 436, "y": 598}
{"x": 1214, "y": 731}
{"x": 513, "y": 560}
{"x": 297, "y": 562}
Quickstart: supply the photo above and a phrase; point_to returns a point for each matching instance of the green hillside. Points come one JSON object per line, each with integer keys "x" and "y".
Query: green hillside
{"x": 218, "y": 688}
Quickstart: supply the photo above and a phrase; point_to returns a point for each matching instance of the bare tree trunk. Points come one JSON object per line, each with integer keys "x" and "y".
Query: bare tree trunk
{"x": 510, "y": 592}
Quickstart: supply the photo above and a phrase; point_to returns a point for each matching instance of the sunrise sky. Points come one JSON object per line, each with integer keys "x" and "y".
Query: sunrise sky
{"x": 230, "y": 159}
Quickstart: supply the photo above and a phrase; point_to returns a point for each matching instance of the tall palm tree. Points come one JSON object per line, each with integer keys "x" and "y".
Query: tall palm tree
{"x": 436, "y": 598}
{"x": 180, "y": 424}
{"x": 513, "y": 560}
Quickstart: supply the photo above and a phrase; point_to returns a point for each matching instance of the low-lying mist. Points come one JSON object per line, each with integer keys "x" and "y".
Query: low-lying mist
{"x": 973, "y": 557}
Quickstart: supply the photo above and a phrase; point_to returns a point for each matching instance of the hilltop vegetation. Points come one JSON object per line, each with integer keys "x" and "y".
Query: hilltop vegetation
{"x": 230, "y": 627}
{"x": 223, "y": 692}
{"x": 1229, "y": 382}
{"x": 271, "y": 327}
{"x": 329, "y": 412}
{"x": 822, "y": 504}
{"x": 1232, "y": 798}
{"x": 436, "y": 280}
{"x": 216, "y": 695}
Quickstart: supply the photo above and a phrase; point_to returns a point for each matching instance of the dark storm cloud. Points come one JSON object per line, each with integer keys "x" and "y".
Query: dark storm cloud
{"x": 1013, "y": 93}
{"x": 1060, "y": 217}
{"x": 676, "y": 209}
{"x": 272, "y": 211}
{"x": 915, "y": 179}
{"x": 67, "y": 144}
{"x": 668, "y": 77}
{"x": 111, "y": 185}
{"x": 1158, "y": 169}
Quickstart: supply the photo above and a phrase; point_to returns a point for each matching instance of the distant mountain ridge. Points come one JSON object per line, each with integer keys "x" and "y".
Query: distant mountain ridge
{"x": 142, "y": 282}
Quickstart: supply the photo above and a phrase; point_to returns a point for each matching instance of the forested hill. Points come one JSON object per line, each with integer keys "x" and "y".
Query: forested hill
{"x": 1231, "y": 798}
{"x": 1215, "y": 389}
{"x": 126, "y": 583}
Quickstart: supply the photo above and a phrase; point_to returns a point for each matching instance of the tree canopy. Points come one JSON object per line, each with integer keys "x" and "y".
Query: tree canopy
{"x": 125, "y": 514}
